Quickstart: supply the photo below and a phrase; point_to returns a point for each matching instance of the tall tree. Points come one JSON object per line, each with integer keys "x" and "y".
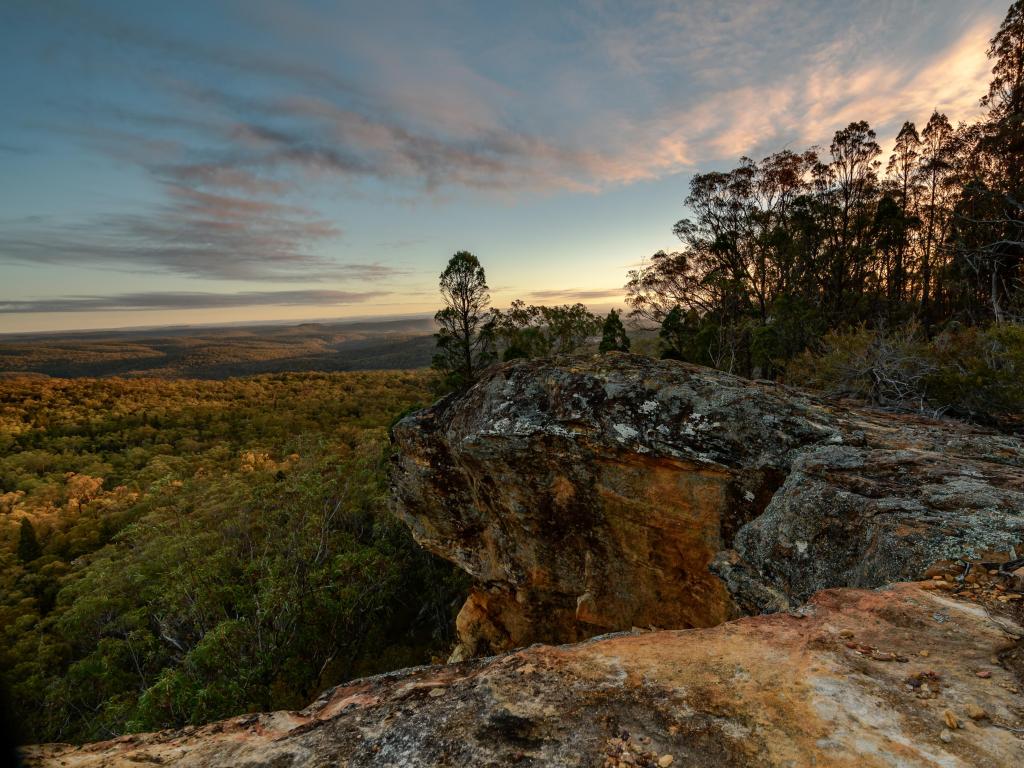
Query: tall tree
{"x": 854, "y": 174}
{"x": 994, "y": 250}
{"x": 933, "y": 173}
{"x": 1005, "y": 99}
{"x": 902, "y": 166}
{"x": 465, "y": 341}
{"x": 667, "y": 280}
{"x": 902, "y": 172}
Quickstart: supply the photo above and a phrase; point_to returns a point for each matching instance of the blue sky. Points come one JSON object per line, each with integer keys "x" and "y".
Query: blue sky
{"x": 204, "y": 162}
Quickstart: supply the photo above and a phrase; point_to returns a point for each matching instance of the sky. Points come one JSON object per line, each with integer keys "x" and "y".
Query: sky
{"x": 213, "y": 162}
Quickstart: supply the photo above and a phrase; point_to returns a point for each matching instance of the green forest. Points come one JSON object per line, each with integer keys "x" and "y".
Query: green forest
{"x": 173, "y": 552}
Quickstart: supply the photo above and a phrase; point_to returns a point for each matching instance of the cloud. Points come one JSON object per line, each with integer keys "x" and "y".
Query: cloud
{"x": 640, "y": 95}
{"x": 223, "y": 177}
{"x": 214, "y": 221}
{"x": 195, "y": 233}
{"x": 575, "y": 294}
{"x": 186, "y": 300}
{"x": 441, "y": 132}
{"x": 834, "y": 88}
{"x": 236, "y": 140}
{"x": 718, "y": 80}
{"x": 227, "y": 165}
{"x": 118, "y": 33}
{"x": 315, "y": 135}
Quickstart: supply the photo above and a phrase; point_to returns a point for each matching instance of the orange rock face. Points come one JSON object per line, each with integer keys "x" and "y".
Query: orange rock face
{"x": 594, "y": 494}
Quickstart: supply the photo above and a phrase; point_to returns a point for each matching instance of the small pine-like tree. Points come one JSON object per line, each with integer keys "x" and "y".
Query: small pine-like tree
{"x": 465, "y": 337}
{"x": 28, "y": 544}
{"x": 613, "y": 334}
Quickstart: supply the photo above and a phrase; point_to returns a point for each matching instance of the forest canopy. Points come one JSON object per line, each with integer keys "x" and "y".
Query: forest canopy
{"x": 173, "y": 552}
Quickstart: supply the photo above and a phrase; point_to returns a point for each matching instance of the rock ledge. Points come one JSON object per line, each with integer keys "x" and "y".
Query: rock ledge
{"x": 594, "y": 494}
{"x": 842, "y": 682}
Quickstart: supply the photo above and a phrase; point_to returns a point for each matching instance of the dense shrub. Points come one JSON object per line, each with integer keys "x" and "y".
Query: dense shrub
{"x": 968, "y": 372}
{"x": 980, "y": 373}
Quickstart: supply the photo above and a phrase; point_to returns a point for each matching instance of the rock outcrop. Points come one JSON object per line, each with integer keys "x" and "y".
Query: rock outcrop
{"x": 610, "y": 493}
{"x": 858, "y": 679}
{"x": 602, "y": 493}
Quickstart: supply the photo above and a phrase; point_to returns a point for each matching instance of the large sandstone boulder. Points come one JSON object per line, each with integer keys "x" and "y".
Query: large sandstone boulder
{"x": 601, "y": 493}
{"x": 844, "y": 682}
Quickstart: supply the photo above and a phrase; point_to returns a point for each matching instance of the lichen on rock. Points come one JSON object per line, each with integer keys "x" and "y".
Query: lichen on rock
{"x": 591, "y": 494}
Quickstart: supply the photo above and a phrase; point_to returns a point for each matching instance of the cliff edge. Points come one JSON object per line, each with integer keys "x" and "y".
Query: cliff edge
{"x": 601, "y": 493}
{"x": 678, "y": 567}
{"x": 856, "y": 679}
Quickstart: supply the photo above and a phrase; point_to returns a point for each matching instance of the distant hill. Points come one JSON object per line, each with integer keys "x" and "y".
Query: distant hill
{"x": 217, "y": 353}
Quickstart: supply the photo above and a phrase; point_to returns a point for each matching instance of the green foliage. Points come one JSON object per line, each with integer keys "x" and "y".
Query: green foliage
{"x": 980, "y": 373}
{"x": 965, "y": 371}
{"x": 793, "y": 325}
{"x": 677, "y": 332}
{"x": 778, "y": 251}
{"x": 28, "y": 544}
{"x": 465, "y": 337}
{"x": 889, "y": 369}
{"x": 537, "y": 331}
{"x": 613, "y": 334}
{"x": 237, "y": 557}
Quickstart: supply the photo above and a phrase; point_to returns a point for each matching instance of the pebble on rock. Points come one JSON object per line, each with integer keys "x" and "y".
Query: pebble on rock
{"x": 975, "y": 712}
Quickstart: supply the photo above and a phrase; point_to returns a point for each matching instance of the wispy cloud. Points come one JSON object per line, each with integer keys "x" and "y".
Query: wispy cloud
{"x": 195, "y": 233}
{"x": 764, "y": 87}
{"x": 188, "y": 300}
{"x": 753, "y": 75}
{"x": 576, "y": 294}
{"x": 253, "y": 135}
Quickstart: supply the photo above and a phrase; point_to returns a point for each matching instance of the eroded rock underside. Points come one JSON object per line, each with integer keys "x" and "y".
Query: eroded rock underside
{"x": 842, "y": 682}
{"x": 602, "y": 493}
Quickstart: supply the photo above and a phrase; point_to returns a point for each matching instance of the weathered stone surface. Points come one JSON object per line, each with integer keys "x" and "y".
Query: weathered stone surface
{"x": 595, "y": 493}
{"x": 843, "y": 682}
{"x": 863, "y": 517}
{"x": 606, "y": 493}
